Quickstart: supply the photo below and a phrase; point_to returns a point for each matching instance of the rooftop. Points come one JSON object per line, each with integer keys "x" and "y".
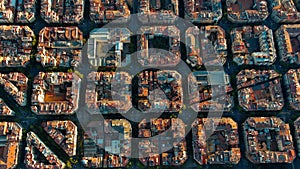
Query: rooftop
{"x": 253, "y": 46}
{"x": 285, "y": 11}
{"x": 259, "y": 90}
{"x": 268, "y": 140}
{"x": 247, "y": 11}
{"x": 203, "y": 11}
{"x": 158, "y": 11}
{"x": 108, "y": 47}
{"x": 34, "y": 144}
{"x": 55, "y": 93}
{"x": 15, "y": 45}
{"x": 159, "y": 91}
{"x": 292, "y": 83}
{"x": 60, "y": 46}
{"x": 206, "y": 46}
{"x": 150, "y": 151}
{"x": 159, "y": 46}
{"x": 219, "y": 146}
{"x": 210, "y": 91}
{"x": 64, "y": 133}
{"x": 108, "y": 144}
{"x": 7, "y": 11}
{"x": 297, "y": 134}
{"x": 5, "y": 110}
{"x": 108, "y": 92}
{"x": 62, "y": 11}
{"x": 10, "y": 138}
{"x": 102, "y": 11}
{"x": 25, "y": 11}
{"x": 15, "y": 84}
{"x": 288, "y": 39}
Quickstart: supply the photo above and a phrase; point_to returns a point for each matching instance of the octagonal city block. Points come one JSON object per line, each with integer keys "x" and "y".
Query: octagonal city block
{"x": 268, "y": 140}
{"x": 259, "y": 90}
{"x": 60, "y": 46}
{"x": 55, "y": 93}
{"x": 16, "y": 44}
{"x": 107, "y": 144}
{"x": 215, "y": 141}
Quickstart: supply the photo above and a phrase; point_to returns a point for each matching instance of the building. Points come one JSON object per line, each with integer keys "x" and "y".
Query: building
{"x": 259, "y": 90}
{"x": 159, "y": 91}
{"x": 60, "y": 46}
{"x": 25, "y": 11}
{"x": 15, "y": 85}
{"x": 162, "y": 150}
{"x": 21, "y": 11}
{"x": 297, "y": 134}
{"x": 103, "y": 11}
{"x": 206, "y": 46}
{"x": 285, "y": 11}
{"x": 33, "y": 145}
{"x": 253, "y": 46}
{"x": 64, "y": 133}
{"x": 16, "y": 44}
{"x": 247, "y": 11}
{"x": 62, "y": 11}
{"x": 288, "y": 40}
{"x": 55, "y": 93}
{"x": 215, "y": 141}
{"x": 108, "y": 47}
{"x": 7, "y": 11}
{"x": 292, "y": 83}
{"x": 158, "y": 11}
{"x": 108, "y": 144}
{"x": 268, "y": 140}
{"x": 5, "y": 110}
{"x": 108, "y": 92}
{"x": 202, "y": 11}
{"x": 210, "y": 91}
{"x": 10, "y": 140}
{"x": 158, "y": 46}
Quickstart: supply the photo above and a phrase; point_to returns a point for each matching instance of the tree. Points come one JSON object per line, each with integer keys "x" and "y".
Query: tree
{"x": 68, "y": 165}
{"x": 70, "y": 70}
